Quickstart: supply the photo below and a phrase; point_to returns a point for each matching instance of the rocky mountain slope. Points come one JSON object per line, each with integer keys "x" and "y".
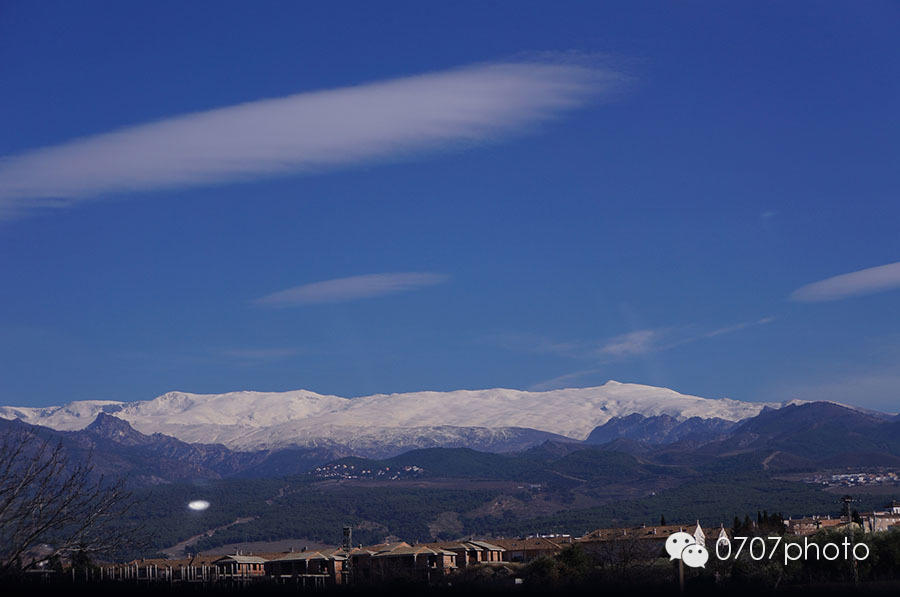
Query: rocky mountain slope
{"x": 116, "y": 450}
{"x": 796, "y": 437}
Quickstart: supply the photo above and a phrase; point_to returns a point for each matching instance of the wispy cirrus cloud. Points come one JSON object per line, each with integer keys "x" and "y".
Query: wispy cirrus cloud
{"x": 630, "y": 344}
{"x": 304, "y": 132}
{"x": 642, "y": 342}
{"x": 636, "y": 344}
{"x": 535, "y": 343}
{"x": 623, "y": 346}
{"x": 633, "y": 343}
{"x": 859, "y": 283}
{"x": 351, "y": 288}
{"x": 728, "y": 329}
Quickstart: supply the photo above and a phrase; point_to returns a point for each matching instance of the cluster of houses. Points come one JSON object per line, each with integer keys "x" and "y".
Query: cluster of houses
{"x": 430, "y": 562}
{"x": 890, "y": 477}
{"x": 871, "y": 522}
{"x": 349, "y": 471}
{"x": 316, "y": 568}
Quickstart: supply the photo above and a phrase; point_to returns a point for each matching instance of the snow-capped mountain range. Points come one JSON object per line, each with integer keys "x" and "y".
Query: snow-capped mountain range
{"x": 273, "y": 420}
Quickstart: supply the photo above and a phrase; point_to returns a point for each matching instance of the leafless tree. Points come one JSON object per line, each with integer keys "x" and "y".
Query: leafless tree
{"x": 46, "y": 500}
{"x": 626, "y": 551}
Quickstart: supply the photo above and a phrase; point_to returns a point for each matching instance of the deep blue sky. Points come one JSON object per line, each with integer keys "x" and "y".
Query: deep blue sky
{"x": 654, "y": 235}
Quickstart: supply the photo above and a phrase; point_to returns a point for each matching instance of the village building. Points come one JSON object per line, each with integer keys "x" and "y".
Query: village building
{"x": 360, "y": 559}
{"x": 400, "y": 561}
{"x": 881, "y": 520}
{"x": 431, "y": 562}
{"x": 811, "y": 524}
{"x": 531, "y": 548}
{"x": 240, "y": 567}
{"x": 471, "y": 552}
{"x": 641, "y": 542}
{"x": 309, "y": 568}
{"x": 871, "y": 522}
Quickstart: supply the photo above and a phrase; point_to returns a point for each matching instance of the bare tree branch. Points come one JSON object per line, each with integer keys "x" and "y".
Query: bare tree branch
{"x": 46, "y": 500}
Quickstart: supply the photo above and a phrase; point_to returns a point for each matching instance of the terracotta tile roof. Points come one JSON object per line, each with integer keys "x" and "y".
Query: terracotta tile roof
{"x": 298, "y": 556}
{"x": 173, "y": 563}
{"x": 405, "y": 550}
{"x": 466, "y": 545}
{"x": 242, "y": 559}
{"x": 202, "y": 560}
{"x": 541, "y": 543}
{"x": 270, "y": 555}
{"x": 378, "y": 548}
{"x": 446, "y": 545}
{"x": 486, "y": 545}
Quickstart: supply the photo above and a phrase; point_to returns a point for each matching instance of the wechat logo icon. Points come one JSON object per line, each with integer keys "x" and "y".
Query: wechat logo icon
{"x": 682, "y": 546}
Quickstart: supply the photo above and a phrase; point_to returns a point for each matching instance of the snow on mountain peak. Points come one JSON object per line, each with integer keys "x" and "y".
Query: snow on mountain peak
{"x": 70, "y": 417}
{"x": 248, "y": 419}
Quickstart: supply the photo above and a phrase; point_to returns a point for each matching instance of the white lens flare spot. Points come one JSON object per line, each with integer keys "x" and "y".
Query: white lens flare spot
{"x": 198, "y": 505}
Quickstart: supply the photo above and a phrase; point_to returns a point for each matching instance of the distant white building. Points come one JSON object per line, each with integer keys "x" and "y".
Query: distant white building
{"x": 881, "y": 520}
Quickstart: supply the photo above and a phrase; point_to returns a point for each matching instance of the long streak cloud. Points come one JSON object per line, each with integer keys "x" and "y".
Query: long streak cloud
{"x": 353, "y": 288}
{"x": 304, "y": 132}
{"x": 865, "y": 281}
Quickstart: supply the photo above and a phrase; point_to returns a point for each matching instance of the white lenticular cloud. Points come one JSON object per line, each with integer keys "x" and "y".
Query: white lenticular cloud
{"x": 303, "y": 132}
{"x": 866, "y": 281}
{"x": 352, "y": 288}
